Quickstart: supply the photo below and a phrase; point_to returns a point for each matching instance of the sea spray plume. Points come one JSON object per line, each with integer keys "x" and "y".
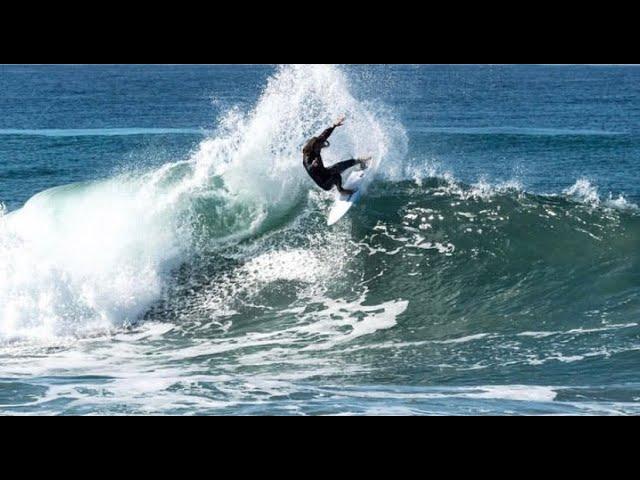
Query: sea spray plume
{"x": 258, "y": 154}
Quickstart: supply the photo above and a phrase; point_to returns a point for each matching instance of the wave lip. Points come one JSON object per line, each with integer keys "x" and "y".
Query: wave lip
{"x": 583, "y": 191}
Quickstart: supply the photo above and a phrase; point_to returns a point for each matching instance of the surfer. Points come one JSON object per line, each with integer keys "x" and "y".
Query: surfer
{"x": 327, "y": 178}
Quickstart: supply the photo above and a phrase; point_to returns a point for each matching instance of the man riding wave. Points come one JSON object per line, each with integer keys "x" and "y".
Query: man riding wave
{"x": 327, "y": 178}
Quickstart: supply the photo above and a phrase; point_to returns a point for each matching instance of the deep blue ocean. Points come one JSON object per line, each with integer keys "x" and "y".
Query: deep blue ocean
{"x": 162, "y": 250}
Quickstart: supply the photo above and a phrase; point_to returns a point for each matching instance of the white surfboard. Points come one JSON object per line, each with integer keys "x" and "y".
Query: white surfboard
{"x": 344, "y": 202}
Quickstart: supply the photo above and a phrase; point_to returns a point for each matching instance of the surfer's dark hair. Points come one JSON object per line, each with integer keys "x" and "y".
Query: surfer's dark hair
{"x": 310, "y": 147}
{"x": 314, "y": 144}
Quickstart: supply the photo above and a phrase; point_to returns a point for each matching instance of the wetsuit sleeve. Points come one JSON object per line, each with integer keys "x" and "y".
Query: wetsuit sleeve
{"x": 326, "y": 134}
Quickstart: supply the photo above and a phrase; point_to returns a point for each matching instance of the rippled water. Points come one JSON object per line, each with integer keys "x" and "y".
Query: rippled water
{"x": 162, "y": 251}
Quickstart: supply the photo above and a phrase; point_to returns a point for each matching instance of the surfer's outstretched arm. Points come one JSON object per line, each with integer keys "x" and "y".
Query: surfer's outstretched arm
{"x": 324, "y": 136}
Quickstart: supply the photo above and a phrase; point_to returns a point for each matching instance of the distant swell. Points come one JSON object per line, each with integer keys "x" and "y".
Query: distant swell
{"x": 516, "y": 131}
{"x": 100, "y": 132}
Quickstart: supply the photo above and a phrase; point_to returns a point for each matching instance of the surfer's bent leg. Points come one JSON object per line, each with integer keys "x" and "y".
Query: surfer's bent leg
{"x": 342, "y": 167}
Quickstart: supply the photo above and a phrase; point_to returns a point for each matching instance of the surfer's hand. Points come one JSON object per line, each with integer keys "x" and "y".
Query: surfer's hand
{"x": 340, "y": 122}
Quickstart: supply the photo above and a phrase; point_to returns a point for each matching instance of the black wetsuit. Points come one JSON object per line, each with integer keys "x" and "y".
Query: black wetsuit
{"x": 326, "y": 178}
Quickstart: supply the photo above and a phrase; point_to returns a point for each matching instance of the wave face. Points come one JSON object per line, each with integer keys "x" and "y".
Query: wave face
{"x": 212, "y": 284}
{"x": 95, "y": 256}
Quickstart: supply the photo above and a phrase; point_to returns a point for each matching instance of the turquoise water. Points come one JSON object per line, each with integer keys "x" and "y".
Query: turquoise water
{"x": 162, "y": 251}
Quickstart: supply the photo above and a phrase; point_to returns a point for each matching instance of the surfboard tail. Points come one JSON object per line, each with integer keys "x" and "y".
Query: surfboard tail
{"x": 343, "y": 204}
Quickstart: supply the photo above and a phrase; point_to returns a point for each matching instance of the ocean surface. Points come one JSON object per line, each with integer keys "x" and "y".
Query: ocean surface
{"x": 162, "y": 250}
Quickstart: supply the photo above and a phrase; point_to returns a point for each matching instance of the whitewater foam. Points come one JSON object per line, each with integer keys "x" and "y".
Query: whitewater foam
{"x": 84, "y": 258}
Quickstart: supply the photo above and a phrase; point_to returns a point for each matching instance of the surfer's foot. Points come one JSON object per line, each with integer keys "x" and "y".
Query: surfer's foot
{"x": 344, "y": 191}
{"x": 364, "y": 162}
